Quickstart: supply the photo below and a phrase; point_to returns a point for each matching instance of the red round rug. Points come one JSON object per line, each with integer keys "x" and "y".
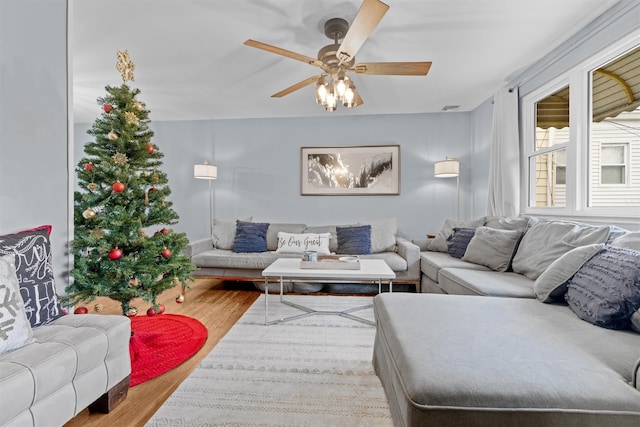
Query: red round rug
{"x": 160, "y": 343}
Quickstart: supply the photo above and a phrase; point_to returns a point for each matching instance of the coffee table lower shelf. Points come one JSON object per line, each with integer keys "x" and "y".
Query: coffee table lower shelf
{"x": 289, "y": 269}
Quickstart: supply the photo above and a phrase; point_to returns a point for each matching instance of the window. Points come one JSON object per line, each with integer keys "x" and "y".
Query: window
{"x": 581, "y": 136}
{"x": 613, "y": 164}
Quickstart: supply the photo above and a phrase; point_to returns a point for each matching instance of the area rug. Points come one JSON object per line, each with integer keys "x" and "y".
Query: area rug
{"x": 312, "y": 371}
{"x": 160, "y": 343}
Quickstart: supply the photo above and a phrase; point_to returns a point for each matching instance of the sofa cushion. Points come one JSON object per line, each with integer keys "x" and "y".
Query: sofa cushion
{"x": 354, "y": 240}
{"x": 541, "y": 365}
{"x": 300, "y": 243}
{"x": 460, "y": 281}
{"x": 32, "y": 250}
{"x": 492, "y": 247}
{"x": 224, "y": 231}
{"x": 439, "y": 243}
{"x": 275, "y": 228}
{"x": 383, "y": 235}
{"x": 520, "y": 223}
{"x": 459, "y": 240}
{"x": 547, "y": 241}
{"x": 605, "y": 291}
{"x": 432, "y": 262}
{"x": 250, "y": 237}
{"x": 15, "y": 329}
{"x": 551, "y": 285}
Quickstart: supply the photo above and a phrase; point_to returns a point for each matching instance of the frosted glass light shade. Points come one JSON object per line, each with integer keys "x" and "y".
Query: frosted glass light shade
{"x": 448, "y": 168}
{"x": 205, "y": 171}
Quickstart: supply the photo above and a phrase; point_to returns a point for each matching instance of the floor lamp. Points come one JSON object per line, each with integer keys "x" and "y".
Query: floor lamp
{"x": 208, "y": 172}
{"x": 449, "y": 168}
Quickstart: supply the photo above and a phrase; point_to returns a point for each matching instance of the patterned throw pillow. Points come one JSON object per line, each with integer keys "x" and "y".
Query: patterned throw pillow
{"x": 250, "y": 237}
{"x": 605, "y": 291}
{"x": 15, "y": 330}
{"x": 354, "y": 240}
{"x": 292, "y": 243}
{"x": 459, "y": 241}
{"x": 32, "y": 251}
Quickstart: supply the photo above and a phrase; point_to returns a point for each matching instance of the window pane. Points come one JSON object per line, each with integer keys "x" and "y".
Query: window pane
{"x": 552, "y": 119}
{"x": 612, "y": 175}
{"x": 550, "y": 179}
{"x": 614, "y": 153}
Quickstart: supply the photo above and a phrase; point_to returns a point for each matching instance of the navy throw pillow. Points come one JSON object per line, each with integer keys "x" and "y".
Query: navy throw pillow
{"x": 605, "y": 291}
{"x": 250, "y": 237}
{"x": 354, "y": 240}
{"x": 459, "y": 240}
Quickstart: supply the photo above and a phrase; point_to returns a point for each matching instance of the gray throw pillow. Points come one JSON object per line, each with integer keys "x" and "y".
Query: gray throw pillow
{"x": 383, "y": 235}
{"x": 224, "y": 232}
{"x": 605, "y": 291}
{"x": 492, "y": 247}
{"x": 629, "y": 240}
{"x": 440, "y": 243}
{"x": 16, "y": 330}
{"x": 547, "y": 241}
{"x": 551, "y": 285}
{"x": 519, "y": 223}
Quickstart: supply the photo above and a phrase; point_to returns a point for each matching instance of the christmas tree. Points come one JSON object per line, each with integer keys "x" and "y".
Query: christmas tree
{"x": 122, "y": 247}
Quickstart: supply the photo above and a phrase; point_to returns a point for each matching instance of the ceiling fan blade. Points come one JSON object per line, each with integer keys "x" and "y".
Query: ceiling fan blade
{"x": 293, "y": 88}
{"x": 393, "y": 68}
{"x": 366, "y": 20}
{"x": 284, "y": 52}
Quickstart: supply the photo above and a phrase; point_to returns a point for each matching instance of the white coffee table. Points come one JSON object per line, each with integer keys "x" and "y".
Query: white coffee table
{"x": 289, "y": 269}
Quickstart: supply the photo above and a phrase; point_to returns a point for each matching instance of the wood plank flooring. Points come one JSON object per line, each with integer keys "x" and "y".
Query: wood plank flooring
{"x": 218, "y": 305}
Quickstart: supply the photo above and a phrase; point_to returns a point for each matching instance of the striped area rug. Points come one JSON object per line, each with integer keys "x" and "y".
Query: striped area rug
{"x": 313, "y": 371}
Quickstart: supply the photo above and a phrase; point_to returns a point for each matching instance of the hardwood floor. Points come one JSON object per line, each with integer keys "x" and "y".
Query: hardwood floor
{"x": 218, "y": 305}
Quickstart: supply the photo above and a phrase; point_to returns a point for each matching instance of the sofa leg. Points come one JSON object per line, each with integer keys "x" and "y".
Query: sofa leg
{"x": 108, "y": 401}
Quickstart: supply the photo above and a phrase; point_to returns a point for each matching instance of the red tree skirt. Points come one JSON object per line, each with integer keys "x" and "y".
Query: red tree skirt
{"x": 162, "y": 342}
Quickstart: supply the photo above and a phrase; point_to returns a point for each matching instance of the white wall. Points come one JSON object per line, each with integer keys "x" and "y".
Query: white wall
{"x": 259, "y": 168}
{"x": 33, "y": 122}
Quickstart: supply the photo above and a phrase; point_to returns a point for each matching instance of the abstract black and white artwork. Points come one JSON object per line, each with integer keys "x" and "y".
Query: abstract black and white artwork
{"x": 352, "y": 170}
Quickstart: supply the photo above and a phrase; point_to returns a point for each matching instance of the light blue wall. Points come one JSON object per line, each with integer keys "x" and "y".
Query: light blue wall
{"x": 33, "y": 121}
{"x": 481, "y": 128}
{"x": 259, "y": 168}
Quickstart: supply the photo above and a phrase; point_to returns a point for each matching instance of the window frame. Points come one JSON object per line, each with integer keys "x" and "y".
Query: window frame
{"x": 625, "y": 164}
{"x": 578, "y": 184}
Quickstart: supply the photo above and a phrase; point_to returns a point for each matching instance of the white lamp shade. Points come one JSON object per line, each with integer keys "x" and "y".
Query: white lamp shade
{"x": 205, "y": 171}
{"x": 446, "y": 168}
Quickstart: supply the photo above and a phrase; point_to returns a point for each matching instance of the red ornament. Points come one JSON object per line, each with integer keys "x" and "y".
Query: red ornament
{"x": 81, "y": 310}
{"x": 151, "y": 312}
{"x": 164, "y": 231}
{"x": 115, "y": 254}
{"x": 118, "y": 187}
{"x": 150, "y": 148}
{"x": 107, "y": 107}
{"x": 161, "y": 308}
{"x": 89, "y": 166}
{"x": 166, "y": 252}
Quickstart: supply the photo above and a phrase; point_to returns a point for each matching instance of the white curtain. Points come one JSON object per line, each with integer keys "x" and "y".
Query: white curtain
{"x": 504, "y": 163}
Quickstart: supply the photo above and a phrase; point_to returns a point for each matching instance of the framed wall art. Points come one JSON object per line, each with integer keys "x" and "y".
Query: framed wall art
{"x": 350, "y": 171}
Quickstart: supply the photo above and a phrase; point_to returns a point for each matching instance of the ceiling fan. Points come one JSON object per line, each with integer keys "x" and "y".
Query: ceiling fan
{"x": 335, "y": 60}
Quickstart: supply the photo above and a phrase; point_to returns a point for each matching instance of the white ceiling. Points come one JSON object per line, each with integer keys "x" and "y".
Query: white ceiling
{"x": 191, "y": 63}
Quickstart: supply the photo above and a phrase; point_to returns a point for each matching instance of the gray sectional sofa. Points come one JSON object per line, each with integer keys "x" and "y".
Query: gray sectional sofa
{"x": 75, "y": 362}
{"x": 553, "y": 340}
{"x": 215, "y": 257}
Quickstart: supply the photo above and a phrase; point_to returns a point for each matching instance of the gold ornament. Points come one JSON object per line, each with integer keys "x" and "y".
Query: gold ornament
{"x": 138, "y": 106}
{"x": 134, "y": 282}
{"x": 176, "y": 282}
{"x": 131, "y": 118}
{"x": 142, "y": 233}
{"x": 92, "y": 186}
{"x": 89, "y": 214}
{"x": 96, "y": 233}
{"x": 120, "y": 159}
{"x": 112, "y": 136}
{"x": 98, "y": 308}
{"x": 125, "y": 66}
{"x": 132, "y": 311}
{"x": 180, "y": 299}
{"x": 155, "y": 177}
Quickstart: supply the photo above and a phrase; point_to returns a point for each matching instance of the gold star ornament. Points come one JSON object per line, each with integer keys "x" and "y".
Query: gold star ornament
{"x": 125, "y": 66}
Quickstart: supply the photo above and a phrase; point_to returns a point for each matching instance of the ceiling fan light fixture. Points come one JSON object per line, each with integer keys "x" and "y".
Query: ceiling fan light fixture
{"x": 350, "y": 96}
{"x": 331, "y": 102}
{"x": 321, "y": 91}
{"x": 341, "y": 84}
